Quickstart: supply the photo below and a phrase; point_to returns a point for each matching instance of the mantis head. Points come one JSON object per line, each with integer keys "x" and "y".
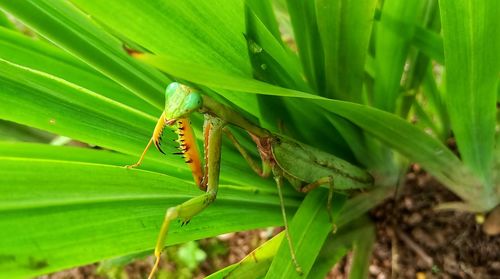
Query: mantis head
{"x": 180, "y": 101}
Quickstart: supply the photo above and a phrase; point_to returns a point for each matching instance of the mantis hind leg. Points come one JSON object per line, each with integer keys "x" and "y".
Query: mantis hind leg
{"x": 279, "y": 183}
{"x": 185, "y": 211}
{"x": 324, "y": 180}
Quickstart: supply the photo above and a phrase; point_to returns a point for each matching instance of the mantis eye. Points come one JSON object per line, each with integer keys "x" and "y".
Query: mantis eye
{"x": 192, "y": 102}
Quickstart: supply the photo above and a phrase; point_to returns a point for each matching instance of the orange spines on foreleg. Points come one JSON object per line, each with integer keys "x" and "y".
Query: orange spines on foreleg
{"x": 189, "y": 150}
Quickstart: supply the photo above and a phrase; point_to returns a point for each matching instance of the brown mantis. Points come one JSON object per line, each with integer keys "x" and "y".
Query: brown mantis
{"x": 303, "y": 166}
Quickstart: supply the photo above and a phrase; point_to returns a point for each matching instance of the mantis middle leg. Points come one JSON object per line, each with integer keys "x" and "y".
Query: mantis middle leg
{"x": 278, "y": 177}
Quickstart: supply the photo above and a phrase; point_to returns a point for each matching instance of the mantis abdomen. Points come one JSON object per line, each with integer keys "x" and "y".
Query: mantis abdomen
{"x": 308, "y": 164}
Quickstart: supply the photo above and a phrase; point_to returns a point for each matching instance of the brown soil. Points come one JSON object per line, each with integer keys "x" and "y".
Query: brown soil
{"x": 416, "y": 241}
{"x": 413, "y": 241}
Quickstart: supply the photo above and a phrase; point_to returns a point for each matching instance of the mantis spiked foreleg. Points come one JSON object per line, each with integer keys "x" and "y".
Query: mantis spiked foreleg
{"x": 185, "y": 211}
{"x": 187, "y": 146}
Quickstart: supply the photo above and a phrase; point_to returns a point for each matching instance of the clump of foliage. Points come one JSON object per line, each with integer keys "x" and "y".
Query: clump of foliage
{"x": 343, "y": 76}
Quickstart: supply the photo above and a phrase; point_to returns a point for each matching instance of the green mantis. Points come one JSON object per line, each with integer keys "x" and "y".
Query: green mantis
{"x": 303, "y": 166}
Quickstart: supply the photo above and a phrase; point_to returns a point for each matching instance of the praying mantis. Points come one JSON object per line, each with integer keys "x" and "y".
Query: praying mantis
{"x": 303, "y": 166}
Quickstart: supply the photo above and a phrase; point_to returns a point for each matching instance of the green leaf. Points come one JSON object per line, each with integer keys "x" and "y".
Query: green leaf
{"x": 417, "y": 62}
{"x": 268, "y": 58}
{"x": 57, "y": 214}
{"x": 430, "y": 43}
{"x": 75, "y": 154}
{"x": 41, "y": 56}
{"x": 345, "y": 27}
{"x": 436, "y": 104}
{"x": 363, "y": 246}
{"x": 53, "y": 104}
{"x": 307, "y": 38}
{"x": 219, "y": 79}
{"x": 255, "y": 264}
{"x": 471, "y": 44}
{"x": 355, "y": 138}
{"x": 196, "y": 31}
{"x": 308, "y": 230}
{"x": 337, "y": 245}
{"x": 394, "y": 33}
{"x": 73, "y": 31}
{"x": 5, "y": 22}
{"x": 264, "y": 11}
{"x": 279, "y": 65}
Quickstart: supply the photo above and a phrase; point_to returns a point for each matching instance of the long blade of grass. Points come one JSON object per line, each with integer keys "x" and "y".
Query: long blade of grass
{"x": 307, "y": 38}
{"x": 17, "y": 76}
{"x": 41, "y": 56}
{"x": 471, "y": 43}
{"x": 278, "y": 64}
{"x": 255, "y": 264}
{"x": 59, "y": 214}
{"x": 5, "y": 22}
{"x": 75, "y": 154}
{"x": 394, "y": 33}
{"x": 337, "y": 245}
{"x": 73, "y": 31}
{"x": 345, "y": 27}
{"x": 273, "y": 63}
{"x": 309, "y": 228}
{"x": 263, "y": 51}
{"x": 264, "y": 11}
{"x": 363, "y": 246}
{"x": 436, "y": 103}
{"x": 214, "y": 78}
{"x": 197, "y": 31}
{"x": 417, "y": 62}
{"x": 329, "y": 22}
{"x": 430, "y": 43}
